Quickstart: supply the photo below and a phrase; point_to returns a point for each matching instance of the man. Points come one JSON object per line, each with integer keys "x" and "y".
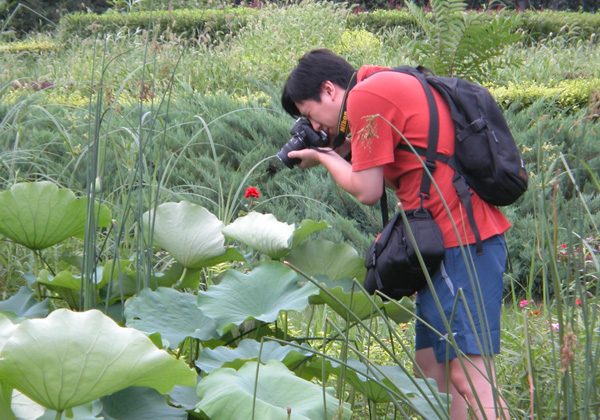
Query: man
{"x": 379, "y": 105}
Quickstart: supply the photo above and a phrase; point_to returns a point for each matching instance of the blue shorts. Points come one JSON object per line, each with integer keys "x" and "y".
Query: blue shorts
{"x": 473, "y": 316}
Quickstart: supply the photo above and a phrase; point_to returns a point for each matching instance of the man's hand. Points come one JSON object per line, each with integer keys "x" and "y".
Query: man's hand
{"x": 309, "y": 157}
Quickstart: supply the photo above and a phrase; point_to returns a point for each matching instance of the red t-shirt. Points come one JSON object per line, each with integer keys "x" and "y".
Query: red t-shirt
{"x": 379, "y": 107}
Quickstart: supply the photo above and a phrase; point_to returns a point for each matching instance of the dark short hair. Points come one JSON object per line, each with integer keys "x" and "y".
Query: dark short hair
{"x": 313, "y": 69}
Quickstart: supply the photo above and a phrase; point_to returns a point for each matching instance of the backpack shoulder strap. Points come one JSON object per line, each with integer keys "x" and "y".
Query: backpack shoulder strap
{"x": 432, "y": 141}
{"x": 432, "y": 137}
{"x": 431, "y": 155}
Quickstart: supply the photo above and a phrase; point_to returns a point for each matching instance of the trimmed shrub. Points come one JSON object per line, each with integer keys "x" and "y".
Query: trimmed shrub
{"x": 211, "y": 23}
{"x": 536, "y": 25}
{"x": 34, "y": 15}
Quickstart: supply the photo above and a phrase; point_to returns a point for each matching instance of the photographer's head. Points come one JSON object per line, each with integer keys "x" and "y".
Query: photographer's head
{"x": 315, "y": 89}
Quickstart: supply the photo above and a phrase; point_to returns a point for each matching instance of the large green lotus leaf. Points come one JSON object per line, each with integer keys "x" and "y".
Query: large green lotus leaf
{"x": 71, "y": 358}
{"x": 39, "y": 214}
{"x": 89, "y": 411}
{"x": 306, "y": 228}
{"x": 247, "y": 350}
{"x": 137, "y": 403}
{"x": 344, "y": 301}
{"x": 7, "y": 328}
{"x": 188, "y": 232}
{"x": 228, "y": 394}
{"x": 336, "y": 261}
{"x": 64, "y": 279}
{"x": 6, "y": 403}
{"x": 263, "y": 233}
{"x": 24, "y": 304}
{"x": 26, "y": 409}
{"x": 173, "y": 314}
{"x": 372, "y": 381}
{"x": 261, "y": 294}
{"x": 184, "y": 397}
{"x": 124, "y": 278}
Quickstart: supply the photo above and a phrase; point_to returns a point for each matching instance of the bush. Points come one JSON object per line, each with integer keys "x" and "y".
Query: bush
{"x": 211, "y": 23}
{"x": 35, "y": 15}
{"x": 536, "y": 25}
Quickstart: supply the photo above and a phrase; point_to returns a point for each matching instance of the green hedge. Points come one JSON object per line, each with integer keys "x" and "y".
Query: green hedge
{"x": 27, "y": 47}
{"x": 191, "y": 22}
{"x": 537, "y": 25}
{"x": 567, "y": 95}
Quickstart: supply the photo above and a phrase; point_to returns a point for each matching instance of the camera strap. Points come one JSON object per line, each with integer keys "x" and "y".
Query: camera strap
{"x": 340, "y": 137}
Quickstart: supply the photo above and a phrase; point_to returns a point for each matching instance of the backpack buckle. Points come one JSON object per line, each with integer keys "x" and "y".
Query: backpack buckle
{"x": 431, "y": 165}
{"x": 478, "y": 125}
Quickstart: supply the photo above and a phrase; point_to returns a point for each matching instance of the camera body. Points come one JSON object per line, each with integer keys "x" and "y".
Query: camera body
{"x": 303, "y": 137}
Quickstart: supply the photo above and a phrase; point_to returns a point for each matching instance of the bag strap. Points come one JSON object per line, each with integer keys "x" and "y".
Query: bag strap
{"x": 431, "y": 155}
{"x": 383, "y": 204}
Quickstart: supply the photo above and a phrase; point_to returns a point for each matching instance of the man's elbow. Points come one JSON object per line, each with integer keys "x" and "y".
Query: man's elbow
{"x": 369, "y": 198}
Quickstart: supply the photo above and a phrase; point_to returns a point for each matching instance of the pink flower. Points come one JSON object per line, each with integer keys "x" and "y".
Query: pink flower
{"x": 525, "y": 302}
{"x": 555, "y": 326}
{"x": 252, "y": 192}
{"x": 578, "y": 302}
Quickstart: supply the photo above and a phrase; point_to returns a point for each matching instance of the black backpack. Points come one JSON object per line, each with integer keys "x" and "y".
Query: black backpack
{"x": 486, "y": 157}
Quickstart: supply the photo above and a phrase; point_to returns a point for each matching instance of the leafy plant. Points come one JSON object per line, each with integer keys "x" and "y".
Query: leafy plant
{"x": 69, "y": 359}
{"x": 461, "y": 44}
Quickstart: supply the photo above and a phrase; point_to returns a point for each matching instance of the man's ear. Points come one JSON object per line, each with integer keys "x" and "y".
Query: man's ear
{"x": 328, "y": 88}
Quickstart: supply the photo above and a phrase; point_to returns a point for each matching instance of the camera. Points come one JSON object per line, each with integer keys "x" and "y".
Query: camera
{"x": 303, "y": 137}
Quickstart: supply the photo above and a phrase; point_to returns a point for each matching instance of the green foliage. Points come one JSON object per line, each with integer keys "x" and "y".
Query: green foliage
{"x": 32, "y": 47}
{"x": 535, "y": 24}
{"x": 221, "y": 22}
{"x": 539, "y": 25}
{"x": 34, "y": 15}
{"x": 570, "y": 95}
{"x": 205, "y": 23}
{"x": 459, "y": 44}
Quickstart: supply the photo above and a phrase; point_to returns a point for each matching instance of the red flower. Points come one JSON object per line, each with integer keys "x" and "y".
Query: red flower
{"x": 252, "y": 192}
{"x": 578, "y": 302}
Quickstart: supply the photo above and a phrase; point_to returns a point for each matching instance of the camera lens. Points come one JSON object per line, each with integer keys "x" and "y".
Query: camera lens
{"x": 295, "y": 143}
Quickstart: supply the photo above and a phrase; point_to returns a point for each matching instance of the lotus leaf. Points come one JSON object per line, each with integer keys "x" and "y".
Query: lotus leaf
{"x": 262, "y": 294}
{"x": 188, "y": 232}
{"x": 247, "y": 350}
{"x": 306, "y": 228}
{"x": 332, "y": 260}
{"x": 137, "y": 403}
{"x": 263, "y": 233}
{"x": 64, "y": 279}
{"x": 7, "y": 328}
{"x": 71, "y": 358}
{"x": 372, "y": 380}
{"x": 229, "y": 394}
{"x": 23, "y": 408}
{"x": 340, "y": 297}
{"x": 173, "y": 314}
{"x": 89, "y": 411}
{"x": 26, "y": 409}
{"x": 184, "y": 397}
{"x": 6, "y": 411}
{"x": 24, "y": 304}
{"x": 39, "y": 214}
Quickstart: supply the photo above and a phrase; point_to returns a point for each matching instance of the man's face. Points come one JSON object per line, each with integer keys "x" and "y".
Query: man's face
{"x": 324, "y": 114}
